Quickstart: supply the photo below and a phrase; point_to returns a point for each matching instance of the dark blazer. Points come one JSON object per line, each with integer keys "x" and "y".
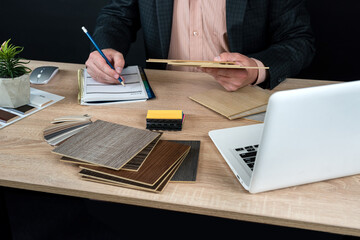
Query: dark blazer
{"x": 277, "y": 32}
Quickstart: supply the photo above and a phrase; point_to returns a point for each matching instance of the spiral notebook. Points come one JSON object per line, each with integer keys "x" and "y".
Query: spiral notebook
{"x": 137, "y": 88}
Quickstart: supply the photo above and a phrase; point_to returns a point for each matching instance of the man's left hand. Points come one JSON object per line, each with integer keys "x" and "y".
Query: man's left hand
{"x": 233, "y": 79}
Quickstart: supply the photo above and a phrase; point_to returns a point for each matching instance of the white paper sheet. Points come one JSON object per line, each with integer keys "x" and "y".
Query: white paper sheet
{"x": 34, "y": 94}
{"x": 95, "y": 93}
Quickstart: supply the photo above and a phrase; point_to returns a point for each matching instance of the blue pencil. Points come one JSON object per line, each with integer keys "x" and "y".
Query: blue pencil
{"x": 101, "y": 53}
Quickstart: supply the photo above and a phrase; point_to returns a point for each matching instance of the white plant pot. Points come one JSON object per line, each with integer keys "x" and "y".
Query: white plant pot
{"x": 15, "y": 92}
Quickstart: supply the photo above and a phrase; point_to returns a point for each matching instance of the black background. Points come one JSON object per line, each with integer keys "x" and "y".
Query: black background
{"x": 51, "y": 30}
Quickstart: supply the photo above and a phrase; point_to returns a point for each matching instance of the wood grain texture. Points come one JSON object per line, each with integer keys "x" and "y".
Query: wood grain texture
{"x": 106, "y": 179}
{"x": 6, "y": 116}
{"x": 208, "y": 64}
{"x": 164, "y": 155}
{"x": 106, "y": 144}
{"x": 55, "y": 128}
{"x": 245, "y": 101}
{"x": 25, "y": 109}
{"x": 61, "y": 129}
{"x": 74, "y": 161}
{"x": 26, "y": 160}
{"x": 133, "y": 165}
{"x": 136, "y": 162}
{"x": 188, "y": 169}
{"x": 65, "y": 135}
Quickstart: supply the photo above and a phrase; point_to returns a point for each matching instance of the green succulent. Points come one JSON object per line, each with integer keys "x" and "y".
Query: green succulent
{"x": 10, "y": 65}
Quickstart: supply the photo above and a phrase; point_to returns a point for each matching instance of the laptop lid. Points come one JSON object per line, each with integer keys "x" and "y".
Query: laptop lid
{"x": 310, "y": 134}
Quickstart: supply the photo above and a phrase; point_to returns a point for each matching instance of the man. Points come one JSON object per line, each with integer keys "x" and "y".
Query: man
{"x": 274, "y": 33}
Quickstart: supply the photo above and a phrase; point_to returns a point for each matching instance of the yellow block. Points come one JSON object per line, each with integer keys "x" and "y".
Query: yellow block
{"x": 164, "y": 114}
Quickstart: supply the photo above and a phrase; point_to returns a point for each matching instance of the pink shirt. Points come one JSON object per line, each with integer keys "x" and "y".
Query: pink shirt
{"x": 199, "y": 32}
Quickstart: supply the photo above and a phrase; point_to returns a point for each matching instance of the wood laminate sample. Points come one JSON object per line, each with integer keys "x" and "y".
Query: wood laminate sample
{"x": 106, "y": 144}
{"x": 188, "y": 169}
{"x": 164, "y": 156}
{"x": 6, "y": 116}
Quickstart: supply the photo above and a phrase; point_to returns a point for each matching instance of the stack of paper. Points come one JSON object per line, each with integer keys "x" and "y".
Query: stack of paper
{"x": 125, "y": 156}
{"x": 243, "y": 102}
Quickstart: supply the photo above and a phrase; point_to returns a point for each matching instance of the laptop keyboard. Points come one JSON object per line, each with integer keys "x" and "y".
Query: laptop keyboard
{"x": 247, "y": 154}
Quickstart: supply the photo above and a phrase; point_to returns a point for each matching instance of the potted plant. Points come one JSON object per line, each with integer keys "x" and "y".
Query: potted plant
{"x": 14, "y": 77}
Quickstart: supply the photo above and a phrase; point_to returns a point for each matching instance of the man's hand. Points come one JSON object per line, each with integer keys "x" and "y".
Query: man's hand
{"x": 100, "y": 71}
{"x": 233, "y": 79}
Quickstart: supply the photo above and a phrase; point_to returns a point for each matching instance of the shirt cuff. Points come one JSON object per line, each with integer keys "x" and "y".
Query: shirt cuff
{"x": 261, "y": 74}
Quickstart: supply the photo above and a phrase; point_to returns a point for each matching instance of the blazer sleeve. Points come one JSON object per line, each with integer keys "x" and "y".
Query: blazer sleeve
{"x": 291, "y": 41}
{"x": 117, "y": 25}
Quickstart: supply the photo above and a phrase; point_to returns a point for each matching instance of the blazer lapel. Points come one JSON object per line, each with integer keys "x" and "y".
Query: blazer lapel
{"x": 164, "y": 11}
{"x": 235, "y": 12}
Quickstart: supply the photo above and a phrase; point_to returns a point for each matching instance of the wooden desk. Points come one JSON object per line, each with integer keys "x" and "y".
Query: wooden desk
{"x": 26, "y": 160}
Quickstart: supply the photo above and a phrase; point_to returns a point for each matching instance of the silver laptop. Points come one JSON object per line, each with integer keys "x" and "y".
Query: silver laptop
{"x": 308, "y": 135}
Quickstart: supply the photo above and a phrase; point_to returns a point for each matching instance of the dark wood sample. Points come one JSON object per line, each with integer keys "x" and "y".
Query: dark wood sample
{"x": 164, "y": 155}
{"x": 6, "y": 116}
{"x": 106, "y": 179}
{"x": 136, "y": 162}
{"x": 24, "y": 109}
{"x": 188, "y": 169}
{"x": 106, "y": 144}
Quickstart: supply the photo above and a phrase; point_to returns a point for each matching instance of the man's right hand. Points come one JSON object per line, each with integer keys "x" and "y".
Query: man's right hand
{"x": 100, "y": 71}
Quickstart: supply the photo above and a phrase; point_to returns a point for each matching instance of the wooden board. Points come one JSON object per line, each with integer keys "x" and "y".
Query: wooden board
{"x": 164, "y": 155}
{"x": 205, "y": 64}
{"x": 106, "y": 144}
{"x": 24, "y": 109}
{"x": 133, "y": 165}
{"x": 56, "y": 135}
{"x": 59, "y": 128}
{"x": 7, "y": 116}
{"x": 187, "y": 171}
{"x": 243, "y": 102}
{"x": 106, "y": 179}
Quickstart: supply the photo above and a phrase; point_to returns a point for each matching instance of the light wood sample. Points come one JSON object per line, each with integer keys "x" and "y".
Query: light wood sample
{"x": 205, "y": 64}
{"x": 133, "y": 165}
{"x": 243, "y": 102}
{"x": 106, "y": 144}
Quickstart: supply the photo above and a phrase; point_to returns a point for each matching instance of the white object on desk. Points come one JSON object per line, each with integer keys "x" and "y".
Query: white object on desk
{"x": 38, "y": 99}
